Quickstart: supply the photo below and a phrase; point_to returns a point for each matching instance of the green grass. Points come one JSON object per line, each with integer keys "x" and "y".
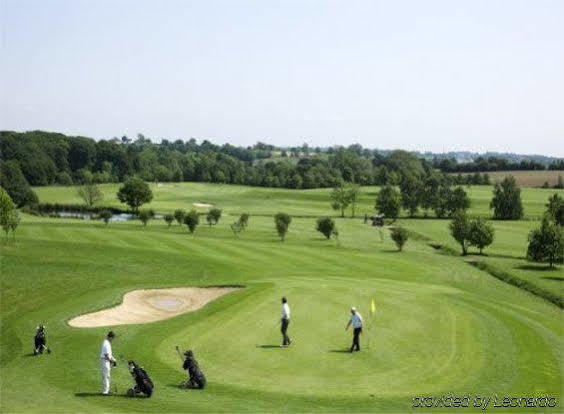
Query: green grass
{"x": 259, "y": 200}
{"x": 441, "y": 326}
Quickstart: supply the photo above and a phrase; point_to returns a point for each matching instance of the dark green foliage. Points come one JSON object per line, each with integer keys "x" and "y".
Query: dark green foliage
{"x": 506, "y": 200}
{"x": 282, "y": 223}
{"x": 6, "y": 207}
{"x": 388, "y": 202}
{"x": 555, "y": 209}
{"x": 64, "y": 178}
{"x": 410, "y": 189}
{"x": 460, "y": 230}
{"x": 135, "y": 192}
{"x": 327, "y": 227}
{"x": 192, "y": 219}
{"x": 458, "y": 200}
{"x": 213, "y": 216}
{"x": 105, "y": 215}
{"x": 340, "y": 199}
{"x": 144, "y": 216}
{"x": 179, "y": 216}
{"x": 15, "y": 184}
{"x": 13, "y": 221}
{"x": 546, "y": 244}
{"x": 168, "y": 218}
{"x": 481, "y": 233}
{"x": 244, "y": 220}
{"x": 399, "y": 235}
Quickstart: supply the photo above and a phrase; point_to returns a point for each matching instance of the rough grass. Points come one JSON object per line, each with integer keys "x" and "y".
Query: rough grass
{"x": 440, "y": 327}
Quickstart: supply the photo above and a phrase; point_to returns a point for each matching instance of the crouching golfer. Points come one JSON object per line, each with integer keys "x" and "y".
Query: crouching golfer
{"x": 284, "y": 322}
{"x": 196, "y": 378}
{"x": 40, "y": 341}
{"x": 106, "y": 362}
{"x": 356, "y": 321}
{"x": 143, "y": 384}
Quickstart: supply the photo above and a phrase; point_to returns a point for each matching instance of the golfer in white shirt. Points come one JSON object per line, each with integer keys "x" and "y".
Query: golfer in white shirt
{"x": 106, "y": 362}
{"x": 284, "y": 322}
{"x": 356, "y": 322}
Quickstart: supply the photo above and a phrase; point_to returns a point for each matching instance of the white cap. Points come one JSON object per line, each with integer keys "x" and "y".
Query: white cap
{"x": 353, "y": 308}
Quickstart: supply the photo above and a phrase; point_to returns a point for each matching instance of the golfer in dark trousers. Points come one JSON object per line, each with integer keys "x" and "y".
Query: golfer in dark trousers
{"x": 284, "y": 322}
{"x": 356, "y": 322}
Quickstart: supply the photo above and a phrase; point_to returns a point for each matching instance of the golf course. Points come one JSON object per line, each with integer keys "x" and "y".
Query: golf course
{"x": 441, "y": 327}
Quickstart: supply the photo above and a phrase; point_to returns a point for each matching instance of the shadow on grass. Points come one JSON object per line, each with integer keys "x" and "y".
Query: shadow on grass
{"x": 269, "y": 346}
{"x": 536, "y": 268}
{"x": 340, "y": 351}
{"x": 98, "y": 394}
{"x": 31, "y": 354}
{"x": 557, "y": 278}
{"x": 390, "y": 251}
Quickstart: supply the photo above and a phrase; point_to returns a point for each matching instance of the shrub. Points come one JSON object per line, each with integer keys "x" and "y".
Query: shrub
{"x": 327, "y": 227}
{"x": 64, "y": 178}
{"x": 399, "y": 236}
{"x": 213, "y": 216}
{"x": 179, "y": 216}
{"x": 144, "y": 216}
{"x": 192, "y": 220}
{"x": 168, "y": 218}
{"x": 105, "y": 215}
{"x": 90, "y": 194}
{"x": 460, "y": 230}
{"x": 481, "y": 233}
{"x": 506, "y": 200}
{"x": 282, "y": 223}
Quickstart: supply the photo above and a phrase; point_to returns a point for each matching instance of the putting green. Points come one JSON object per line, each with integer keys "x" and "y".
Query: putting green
{"x": 440, "y": 327}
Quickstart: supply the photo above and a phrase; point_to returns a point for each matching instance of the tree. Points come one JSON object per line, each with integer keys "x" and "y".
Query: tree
{"x": 213, "y": 216}
{"x": 340, "y": 198}
{"x": 168, "y": 218}
{"x": 90, "y": 193}
{"x": 555, "y": 209}
{"x": 546, "y": 244}
{"x": 15, "y": 184}
{"x": 105, "y": 215}
{"x": 410, "y": 189}
{"x": 442, "y": 200}
{"x": 135, "y": 192}
{"x": 144, "y": 216}
{"x": 506, "y": 200}
{"x": 6, "y": 207}
{"x": 282, "y": 222}
{"x": 244, "y": 220}
{"x": 179, "y": 216}
{"x": 458, "y": 200}
{"x": 327, "y": 227}
{"x": 460, "y": 230}
{"x": 353, "y": 191}
{"x": 64, "y": 178}
{"x": 13, "y": 221}
{"x": 399, "y": 236}
{"x": 481, "y": 233}
{"x": 192, "y": 219}
{"x": 388, "y": 202}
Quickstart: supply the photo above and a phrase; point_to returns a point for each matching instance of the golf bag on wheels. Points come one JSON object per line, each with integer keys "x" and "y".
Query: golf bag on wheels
{"x": 40, "y": 341}
{"x": 143, "y": 384}
{"x": 196, "y": 378}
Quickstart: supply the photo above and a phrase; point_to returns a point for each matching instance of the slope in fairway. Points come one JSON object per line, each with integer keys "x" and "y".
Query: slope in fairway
{"x": 440, "y": 327}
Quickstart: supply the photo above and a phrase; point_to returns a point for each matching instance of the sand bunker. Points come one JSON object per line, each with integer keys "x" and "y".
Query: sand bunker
{"x": 203, "y": 205}
{"x": 151, "y": 305}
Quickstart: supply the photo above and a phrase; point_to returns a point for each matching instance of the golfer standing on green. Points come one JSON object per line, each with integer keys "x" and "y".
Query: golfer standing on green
{"x": 356, "y": 322}
{"x": 284, "y": 322}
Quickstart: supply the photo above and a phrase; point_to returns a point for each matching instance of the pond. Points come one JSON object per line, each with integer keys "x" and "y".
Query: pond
{"x": 91, "y": 216}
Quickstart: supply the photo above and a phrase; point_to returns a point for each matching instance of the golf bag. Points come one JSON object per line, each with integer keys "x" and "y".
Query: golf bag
{"x": 196, "y": 378}
{"x": 40, "y": 341}
{"x": 143, "y": 384}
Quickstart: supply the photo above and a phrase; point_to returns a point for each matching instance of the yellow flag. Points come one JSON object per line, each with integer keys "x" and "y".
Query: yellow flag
{"x": 373, "y": 307}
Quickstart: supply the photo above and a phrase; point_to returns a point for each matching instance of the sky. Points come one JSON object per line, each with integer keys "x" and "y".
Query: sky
{"x": 418, "y": 75}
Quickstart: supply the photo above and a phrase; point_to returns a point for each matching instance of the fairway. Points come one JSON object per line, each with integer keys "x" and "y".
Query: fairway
{"x": 441, "y": 327}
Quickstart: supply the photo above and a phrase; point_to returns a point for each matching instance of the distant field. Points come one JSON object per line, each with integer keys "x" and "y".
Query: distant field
{"x": 525, "y": 178}
{"x": 236, "y": 199}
